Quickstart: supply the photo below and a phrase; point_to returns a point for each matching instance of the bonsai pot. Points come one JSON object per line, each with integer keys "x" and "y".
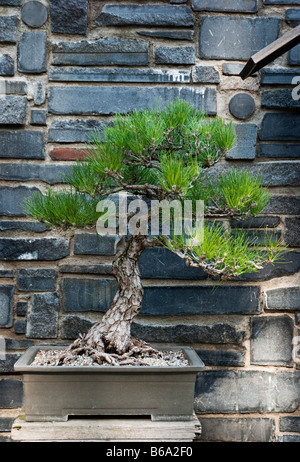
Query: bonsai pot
{"x": 53, "y": 393}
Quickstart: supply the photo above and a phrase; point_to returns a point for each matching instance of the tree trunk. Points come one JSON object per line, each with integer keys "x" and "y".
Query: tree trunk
{"x": 112, "y": 334}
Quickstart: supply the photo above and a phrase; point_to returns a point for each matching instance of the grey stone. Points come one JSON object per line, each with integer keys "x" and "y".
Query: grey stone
{"x": 34, "y": 249}
{"x": 6, "y": 274}
{"x": 272, "y": 340}
{"x": 280, "y": 126}
{"x": 36, "y": 280}
{"x": 10, "y": 2}
{"x": 256, "y": 222}
{"x": 246, "y": 391}
{"x": 12, "y": 199}
{"x": 279, "y": 99}
{"x": 16, "y": 344}
{"x": 168, "y": 34}
{"x": 6, "y": 303}
{"x": 245, "y": 142}
{"x": 223, "y": 37}
{"x": 16, "y": 87}
{"x": 34, "y": 14}
{"x": 74, "y": 131}
{"x": 282, "y": 2}
{"x": 69, "y": 16}
{"x": 235, "y": 429}
{"x": 13, "y": 110}
{"x": 205, "y": 74}
{"x": 292, "y": 231}
{"x": 7, "y": 65}
{"x": 283, "y": 299}
{"x": 105, "y": 51}
{"x": 292, "y": 16}
{"x": 50, "y": 174}
{"x": 22, "y": 308}
{"x": 294, "y": 56}
{"x": 228, "y": 358}
{"x": 175, "y": 55}
{"x": 11, "y": 393}
{"x": 72, "y": 326}
{"x": 275, "y": 76}
{"x": 39, "y": 92}
{"x": 288, "y": 439}
{"x": 20, "y": 326}
{"x": 258, "y": 236}
{"x": 88, "y": 74}
{"x": 9, "y": 29}
{"x": 230, "y": 6}
{"x": 145, "y": 15}
{"x": 92, "y": 244}
{"x": 38, "y": 117}
{"x": 110, "y": 100}
{"x": 32, "y": 52}
{"x": 42, "y": 322}
{"x": 242, "y": 106}
{"x": 100, "y": 268}
{"x": 87, "y": 294}
{"x": 232, "y": 68}
{"x": 282, "y": 150}
{"x": 290, "y": 424}
{"x": 6, "y": 422}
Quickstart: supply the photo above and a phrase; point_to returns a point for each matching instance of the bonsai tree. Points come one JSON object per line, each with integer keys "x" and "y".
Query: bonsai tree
{"x": 161, "y": 155}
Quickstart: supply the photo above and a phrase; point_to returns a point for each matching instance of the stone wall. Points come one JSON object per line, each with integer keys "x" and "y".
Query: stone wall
{"x": 66, "y": 67}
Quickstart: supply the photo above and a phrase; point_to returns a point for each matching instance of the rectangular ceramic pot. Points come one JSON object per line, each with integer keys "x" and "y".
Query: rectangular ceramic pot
{"x": 56, "y": 392}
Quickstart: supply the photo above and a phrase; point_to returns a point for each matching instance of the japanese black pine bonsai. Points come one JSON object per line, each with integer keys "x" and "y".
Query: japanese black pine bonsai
{"x": 160, "y": 155}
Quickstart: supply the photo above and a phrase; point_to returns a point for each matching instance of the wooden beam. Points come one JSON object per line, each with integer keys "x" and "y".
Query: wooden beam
{"x": 271, "y": 52}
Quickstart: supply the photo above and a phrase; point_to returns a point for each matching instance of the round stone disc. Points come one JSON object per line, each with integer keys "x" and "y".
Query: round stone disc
{"x": 34, "y": 14}
{"x": 242, "y": 106}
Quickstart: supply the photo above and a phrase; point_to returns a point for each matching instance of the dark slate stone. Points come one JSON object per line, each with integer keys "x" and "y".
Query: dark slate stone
{"x": 205, "y": 74}
{"x": 292, "y": 231}
{"x": 294, "y": 56}
{"x": 100, "y": 268}
{"x": 20, "y": 326}
{"x": 22, "y": 144}
{"x": 292, "y": 17}
{"x": 42, "y": 322}
{"x": 224, "y": 37}
{"x": 36, "y": 280}
{"x": 246, "y": 391}
{"x": 11, "y": 201}
{"x": 92, "y": 244}
{"x": 32, "y": 52}
{"x": 74, "y": 131}
{"x": 7, "y": 364}
{"x": 175, "y": 55}
{"x": 232, "y": 68}
{"x": 235, "y": 429}
{"x": 16, "y": 87}
{"x": 39, "y": 92}
{"x": 280, "y": 126}
{"x": 283, "y": 299}
{"x": 72, "y": 326}
{"x": 110, "y": 100}
{"x": 89, "y": 74}
{"x": 272, "y": 340}
{"x": 22, "y": 308}
{"x": 8, "y": 29}
{"x": 228, "y": 358}
{"x": 279, "y": 99}
{"x": 283, "y": 150}
{"x": 13, "y": 110}
{"x": 275, "y": 76}
{"x": 6, "y": 422}
{"x": 69, "y": 16}
{"x": 6, "y": 274}
{"x": 51, "y": 174}
{"x": 230, "y": 6}
{"x": 145, "y": 15}
{"x": 290, "y": 424}
{"x": 6, "y": 303}
{"x": 245, "y": 142}
{"x": 16, "y": 344}
{"x": 160, "y": 263}
{"x": 87, "y": 294}
{"x": 10, "y": 2}
{"x": 282, "y": 2}
{"x": 105, "y": 51}
{"x": 242, "y": 106}
{"x": 258, "y": 236}
{"x": 34, "y": 14}
{"x": 288, "y": 439}
{"x": 168, "y": 34}
{"x": 11, "y": 393}
{"x": 256, "y": 222}
{"x": 38, "y": 117}
{"x": 7, "y": 65}
{"x": 34, "y": 249}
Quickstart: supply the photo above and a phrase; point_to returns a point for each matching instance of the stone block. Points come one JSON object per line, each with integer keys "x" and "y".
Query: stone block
{"x": 280, "y": 126}
{"x": 282, "y": 150}
{"x": 32, "y": 52}
{"x": 285, "y": 205}
{"x": 292, "y": 16}
{"x": 6, "y": 422}
{"x": 227, "y": 358}
{"x": 205, "y": 74}
{"x": 22, "y": 226}
{"x": 224, "y": 37}
{"x": 278, "y": 99}
{"x": 242, "y": 106}
{"x": 237, "y": 429}
{"x": 105, "y": 51}
{"x": 72, "y": 326}
{"x": 69, "y": 16}
{"x": 288, "y": 439}
{"x": 6, "y": 274}
{"x": 145, "y": 15}
{"x": 38, "y": 117}
{"x": 292, "y": 231}
{"x": 22, "y": 144}
{"x": 16, "y": 344}
{"x": 22, "y": 308}
{"x": 50, "y": 174}
{"x": 229, "y": 6}
{"x": 12, "y": 198}
{"x": 13, "y": 110}
{"x": 110, "y": 100}
{"x": 9, "y": 29}
{"x": 42, "y": 322}
{"x": 74, "y": 131}
{"x": 11, "y": 393}
{"x": 16, "y": 87}
{"x": 282, "y": 2}
{"x": 282, "y": 299}
{"x": 245, "y": 143}
{"x": 67, "y": 154}
{"x": 39, "y": 92}
{"x": 7, "y": 65}
{"x": 6, "y": 303}
{"x": 89, "y": 74}
{"x": 246, "y": 391}
{"x": 87, "y": 294}
{"x": 34, "y": 14}
{"x": 34, "y": 249}
{"x": 92, "y": 244}
{"x": 272, "y": 340}
{"x": 99, "y": 268}
{"x": 175, "y": 55}
{"x": 294, "y": 56}
{"x": 20, "y": 326}
{"x": 36, "y": 280}
{"x": 256, "y": 222}
{"x": 10, "y": 2}
{"x": 232, "y": 68}
{"x": 168, "y": 34}
{"x": 290, "y": 424}
{"x": 278, "y": 76}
